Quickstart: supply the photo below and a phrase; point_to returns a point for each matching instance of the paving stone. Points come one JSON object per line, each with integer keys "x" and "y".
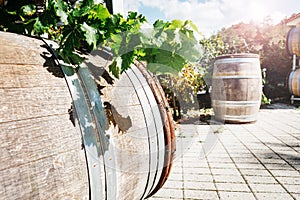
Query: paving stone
{"x": 218, "y": 156}
{"x": 200, "y": 194}
{"x": 176, "y": 170}
{"x": 238, "y": 155}
{"x": 270, "y": 160}
{"x": 297, "y": 166}
{"x": 285, "y": 173}
{"x": 290, "y": 180}
{"x": 250, "y": 148}
{"x": 232, "y": 187}
{"x": 268, "y": 188}
{"x": 222, "y": 178}
{"x": 196, "y": 171}
{"x": 162, "y": 198}
{"x": 261, "y": 179}
{"x": 292, "y": 188}
{"x": 197, "y": 164}
{"x": 176, "y": 176}
{"x": 218, "y": 162}
{"x": 236, "y": 195}
{"x": 255, "y": 172}
{"x": 169, "y": 194}
{"x": 273, "y": 196}
{"x": 228, "y": 165}
{"x": 281, "y": 166}
{"x": 246, "y": 160}
{"x": 202, "y": 177}
{"x": 195, "y": 185}
{"x": 296, "y": 196}
{"x": 225, "y": 171}
{"x": 250, "y": 166}
{"x": 171, "y": 184}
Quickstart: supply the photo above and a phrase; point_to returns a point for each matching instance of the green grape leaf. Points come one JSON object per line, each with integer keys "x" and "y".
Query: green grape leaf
{"x": 114, "y": 69}
{"x": 176, "y": 23}
{"x": 158, "y": 69}
{"x": 115, "y": 43}
{"x": 127, "y": 60}
{"x": 178, "y": 62}
{"x": 80, "y": 12}
{"x": 90, "y": 34}
{"x": 99, "y": 12}
{"x": 28, "y": 10}
{"x": 188, "y": 24}
{"x": 38, "y": 27}
{"x": 159, "y": 24}
{"x": 61, "y": 11}
{"x": 63, "y": 16}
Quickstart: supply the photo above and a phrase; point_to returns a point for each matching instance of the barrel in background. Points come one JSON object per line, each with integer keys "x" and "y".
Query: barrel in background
{"x": 293, "y": 41}
{"x": 236, "y": 88}
{"x": 62, "y": 140}
{"x": 294, "y": 82}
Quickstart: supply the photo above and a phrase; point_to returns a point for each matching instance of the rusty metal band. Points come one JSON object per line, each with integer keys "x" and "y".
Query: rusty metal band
{"x": 154, "y": 125}
{"x": 168, "y": 126}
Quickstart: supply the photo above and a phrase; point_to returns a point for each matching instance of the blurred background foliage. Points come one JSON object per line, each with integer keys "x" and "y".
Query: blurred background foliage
{"x": 266, "y": 39}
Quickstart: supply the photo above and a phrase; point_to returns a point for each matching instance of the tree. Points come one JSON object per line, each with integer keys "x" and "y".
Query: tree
{"x": 269, "y": 42}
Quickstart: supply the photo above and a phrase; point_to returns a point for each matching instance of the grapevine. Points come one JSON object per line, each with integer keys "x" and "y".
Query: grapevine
{"x": 84, "y": 26}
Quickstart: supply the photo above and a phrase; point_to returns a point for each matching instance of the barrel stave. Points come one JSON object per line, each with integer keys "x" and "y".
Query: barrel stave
{"x": 41, "y": 152}
{"x": 294, "y": 82}
{"x": 293, "y": 41}
{"x": 45, "y": 155}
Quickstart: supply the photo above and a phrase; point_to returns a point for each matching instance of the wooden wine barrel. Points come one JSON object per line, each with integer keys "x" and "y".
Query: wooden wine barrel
{"x": 294, "y": 82}
{"x": 236, "y": 88}
{"x": 61, "y": 139}
{"x": 293, "y": 41}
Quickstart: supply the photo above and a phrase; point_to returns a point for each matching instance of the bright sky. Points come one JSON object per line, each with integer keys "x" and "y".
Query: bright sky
{"x": 212, "y": 15}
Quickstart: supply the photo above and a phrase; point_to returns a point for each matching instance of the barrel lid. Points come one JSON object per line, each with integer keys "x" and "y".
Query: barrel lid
{"x": 238, "y": 55}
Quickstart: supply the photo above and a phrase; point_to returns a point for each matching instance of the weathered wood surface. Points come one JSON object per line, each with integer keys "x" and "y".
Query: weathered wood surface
{"x": 294, "y": 82}
{"x": 142, "y": 147}
{"x": 41, "y": 153}
{"x": 236, "y": 88}
{"x": 41, "y": 150}
{"x": 293, "y": 41}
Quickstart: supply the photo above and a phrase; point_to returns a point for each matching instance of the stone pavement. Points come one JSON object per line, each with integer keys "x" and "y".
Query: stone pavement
{"x": 247, "y": 161}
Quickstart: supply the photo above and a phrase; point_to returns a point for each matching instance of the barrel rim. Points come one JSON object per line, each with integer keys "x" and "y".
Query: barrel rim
{"x": 238, "y": 55}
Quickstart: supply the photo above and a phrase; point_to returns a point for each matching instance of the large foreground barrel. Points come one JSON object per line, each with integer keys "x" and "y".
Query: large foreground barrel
{"x": 61, "y": 140}
{"x": 236, "y": 88}
{"x": 294, "y": 82}
{"x": 293, "y": 41}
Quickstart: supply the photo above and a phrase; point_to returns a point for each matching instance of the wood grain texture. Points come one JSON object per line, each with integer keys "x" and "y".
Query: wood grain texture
{"x": 293, "y": 41}
{"x": 237, "y": 88}
{"x": 41, "y": 149}
{"x": 143, "y": 153}
{"x": 131, "y": 148}
{"x": 294, "y": 82}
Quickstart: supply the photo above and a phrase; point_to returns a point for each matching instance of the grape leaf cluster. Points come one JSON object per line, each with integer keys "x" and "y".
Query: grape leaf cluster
{"x": 82, "y": 26}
